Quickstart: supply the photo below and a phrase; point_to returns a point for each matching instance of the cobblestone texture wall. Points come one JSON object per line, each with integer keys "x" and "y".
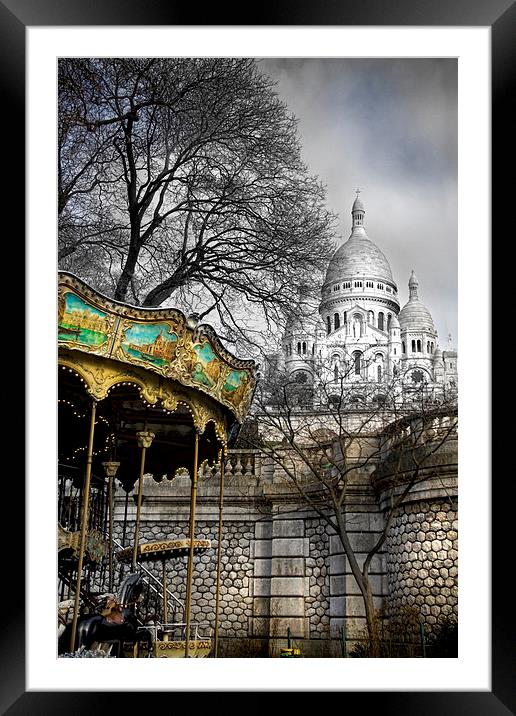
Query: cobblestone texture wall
{"x": 318, "y": 573}
{"x": 422, "y": 560}
{"x": 235, "y": 602}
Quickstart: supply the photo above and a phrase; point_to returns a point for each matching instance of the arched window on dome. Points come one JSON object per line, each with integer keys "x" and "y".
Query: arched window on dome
{"x": 357, "y": 360}
{"x": 389, "y": 317}
{"x": 336, "y": 321}
{"x": 299, "y": 348}
{"x": 419, "y": 346}
{"x": 304, "y": 348}
{"x": 370, "y": 317}
{"x": 380, "y": 320}
{"x": 428, "y": 346}
{"x": 432, "y": 346}
{"x": 403, "y": 346}
{"x": 413, "y": 346}
{"x": 328, "y": 324}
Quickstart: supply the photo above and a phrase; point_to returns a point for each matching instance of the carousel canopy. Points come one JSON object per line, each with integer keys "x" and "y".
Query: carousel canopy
{"x": 150, "y": 370}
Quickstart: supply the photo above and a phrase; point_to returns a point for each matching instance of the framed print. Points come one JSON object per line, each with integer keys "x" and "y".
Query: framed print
{"x": 479, "y": 38}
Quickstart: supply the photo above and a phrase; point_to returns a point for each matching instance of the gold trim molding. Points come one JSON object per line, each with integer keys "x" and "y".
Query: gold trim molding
{"x": 158, "y": 341}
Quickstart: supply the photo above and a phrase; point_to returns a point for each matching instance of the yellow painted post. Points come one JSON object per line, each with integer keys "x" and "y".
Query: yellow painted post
{"x": 189, "y": 574}
{"x": 219, "y": 551}
{"x": 110, "y": 469}
{"x": 84, "y": 526}
{"x": 145, "y": 439}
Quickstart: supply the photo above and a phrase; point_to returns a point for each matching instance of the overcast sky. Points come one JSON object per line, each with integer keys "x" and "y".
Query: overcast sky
{"x": 390, "y": 128}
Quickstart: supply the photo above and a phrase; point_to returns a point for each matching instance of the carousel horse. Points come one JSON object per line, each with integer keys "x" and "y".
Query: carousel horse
{"x": 115, "y": 622}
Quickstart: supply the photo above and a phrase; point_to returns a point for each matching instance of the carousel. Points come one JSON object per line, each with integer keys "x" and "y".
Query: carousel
{"x": 141, "y": 392}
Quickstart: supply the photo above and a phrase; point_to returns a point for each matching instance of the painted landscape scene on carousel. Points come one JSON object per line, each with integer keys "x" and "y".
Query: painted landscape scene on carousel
{"x": 79, "y": 322}
{"x": 151, "y": 342}
{"x": 235, "y": 385}
{"x": 206, "y": 370}
{"x": 89, "y": 322}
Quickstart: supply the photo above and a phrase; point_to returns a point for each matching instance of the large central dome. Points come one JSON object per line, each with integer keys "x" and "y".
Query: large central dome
{"x": 359, "y": 257}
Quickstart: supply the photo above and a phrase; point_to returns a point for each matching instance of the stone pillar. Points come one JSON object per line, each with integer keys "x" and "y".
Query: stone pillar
{"x": 261, "y": 583}
{"x": 337, "y": 586}
{"x": 288, "y": 581}
{"x": 346, "y": 602}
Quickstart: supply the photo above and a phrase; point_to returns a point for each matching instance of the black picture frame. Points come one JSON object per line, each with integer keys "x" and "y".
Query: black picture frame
{"x": 500, "y": 16}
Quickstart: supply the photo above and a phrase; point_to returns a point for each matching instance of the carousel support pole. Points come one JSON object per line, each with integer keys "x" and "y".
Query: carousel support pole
{"x": 165, "y": 598}
{"x": 219, "y": 551}
{"x": 84, "y": 527}
{"x": 189, "y": 574}
{"x": 145, "y": 439}
{"x": 110, "y": 469}
{"x": 124, "y": 530}
{"x": 125, "y": 517}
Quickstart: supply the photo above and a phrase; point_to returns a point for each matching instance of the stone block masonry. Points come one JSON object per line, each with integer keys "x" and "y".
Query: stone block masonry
{"x": 283, "y": 566}
{"x": 236, "y": 602}
{"x": 423, "y": 561}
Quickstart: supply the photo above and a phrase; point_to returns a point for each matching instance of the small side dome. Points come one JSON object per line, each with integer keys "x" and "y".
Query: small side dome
{"x": 394, "y": 322}
{"x": 415, "y": 316}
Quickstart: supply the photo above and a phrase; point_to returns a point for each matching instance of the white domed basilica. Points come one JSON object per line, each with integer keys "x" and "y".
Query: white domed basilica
{"x": 361, "y": 340}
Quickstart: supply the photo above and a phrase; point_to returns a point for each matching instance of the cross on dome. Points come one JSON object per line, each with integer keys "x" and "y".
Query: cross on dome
{"x": 358, "y": 210}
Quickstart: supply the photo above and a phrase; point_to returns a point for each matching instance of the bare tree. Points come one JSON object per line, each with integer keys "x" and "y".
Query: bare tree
{"x": 322, "y": 440}
{"x": 183, "y": 178}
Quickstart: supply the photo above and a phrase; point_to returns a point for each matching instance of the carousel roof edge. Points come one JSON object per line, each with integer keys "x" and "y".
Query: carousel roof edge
{"x": 66, "y": 278}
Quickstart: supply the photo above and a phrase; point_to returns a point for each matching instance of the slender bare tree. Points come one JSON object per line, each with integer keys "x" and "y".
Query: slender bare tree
{"x": 183, "y": 178}
{"x": 324, "y": 442}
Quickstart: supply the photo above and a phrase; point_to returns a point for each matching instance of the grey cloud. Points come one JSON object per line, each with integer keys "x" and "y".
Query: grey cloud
{"x": 390, "y": 127}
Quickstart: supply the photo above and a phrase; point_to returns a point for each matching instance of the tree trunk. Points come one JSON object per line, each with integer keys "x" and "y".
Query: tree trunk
{"x": 130, "y": 264}
{"x": 373, "y": 627}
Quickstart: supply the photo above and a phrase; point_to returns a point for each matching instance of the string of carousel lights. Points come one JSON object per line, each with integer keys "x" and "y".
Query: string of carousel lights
{"x": 147, "y": 403}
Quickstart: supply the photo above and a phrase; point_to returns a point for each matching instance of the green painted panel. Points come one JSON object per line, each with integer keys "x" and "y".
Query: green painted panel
{"x": 82, "y": 323}
{"x": 153, "y": 343}
{"x": 206, "y": 370}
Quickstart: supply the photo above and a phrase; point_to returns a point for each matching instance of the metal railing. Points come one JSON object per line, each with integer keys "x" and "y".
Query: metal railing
{"x": 150, "y": 580}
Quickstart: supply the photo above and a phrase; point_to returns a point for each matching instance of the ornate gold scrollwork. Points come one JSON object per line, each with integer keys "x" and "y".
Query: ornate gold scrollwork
{"x": 145, "y": 438}
{"x": 95, "y": 543}
{"x": 157, "y": 341}
{"x": 68, "y": 540}
{"x": 101, "y": 375}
